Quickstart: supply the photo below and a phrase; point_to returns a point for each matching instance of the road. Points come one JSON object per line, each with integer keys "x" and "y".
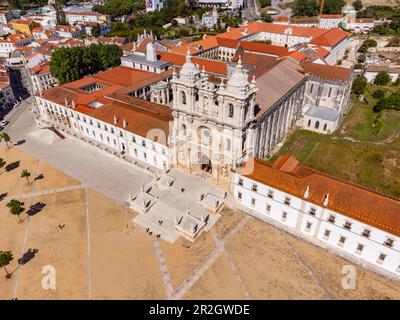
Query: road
{"x": 250, "y": 13}
{"x": 282, "y": 13}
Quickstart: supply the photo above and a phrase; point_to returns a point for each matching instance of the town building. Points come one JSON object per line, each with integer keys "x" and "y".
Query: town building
{"x": 7, "y": 98}
{"x": 84, "y": 17}
{"x": 332, "y": 213}
{"x": 23, "y": 26}
{"x": 41, "y": 77}
{"x": 210, "y": 18}
{"x": 372, "y": 70}
{"x": 154, "y": 5}
{"x": 5, "y": 16}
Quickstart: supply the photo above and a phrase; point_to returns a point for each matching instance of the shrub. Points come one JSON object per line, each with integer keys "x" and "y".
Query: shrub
{"x": 359, "y": 85}
{"x": 382, "y": 78}
{"x": 378, "y": 94}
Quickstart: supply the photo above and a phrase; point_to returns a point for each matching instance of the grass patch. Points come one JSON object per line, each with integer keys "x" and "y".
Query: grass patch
{"x": 371, "y": 162}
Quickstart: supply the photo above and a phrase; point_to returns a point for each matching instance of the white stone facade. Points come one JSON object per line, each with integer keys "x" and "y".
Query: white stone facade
{"x": 320, "y": 224}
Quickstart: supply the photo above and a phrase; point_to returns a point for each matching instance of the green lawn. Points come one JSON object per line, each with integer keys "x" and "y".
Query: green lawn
{"x": 372, "y": 160}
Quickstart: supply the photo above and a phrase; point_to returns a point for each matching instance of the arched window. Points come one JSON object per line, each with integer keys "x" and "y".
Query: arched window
{"x": 231, "y": 109}
{"x": 317, "y": 125}
{"x": 325, "y": 127}
{"x": 228, "y": 144}
{"x": 196, "y": 96}
{"x": 309, "y": 123}
{"x": 183, "y": 97}
{"x": 184, "y": 129}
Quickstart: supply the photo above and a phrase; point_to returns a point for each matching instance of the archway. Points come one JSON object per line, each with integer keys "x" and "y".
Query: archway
{"x": 205, "y": 164}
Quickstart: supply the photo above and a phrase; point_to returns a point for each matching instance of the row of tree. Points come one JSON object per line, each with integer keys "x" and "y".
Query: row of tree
{"x": 310, "y": 8}
{"x": 70, "y": 64}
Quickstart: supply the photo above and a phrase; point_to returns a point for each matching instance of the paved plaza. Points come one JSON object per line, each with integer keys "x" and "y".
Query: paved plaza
{"x": 114, "y": 177}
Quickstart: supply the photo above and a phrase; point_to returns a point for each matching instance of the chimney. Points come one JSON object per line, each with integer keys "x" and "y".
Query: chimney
{"x": 326, "y": 200}
{"x": 307, "y": 192}
{"x": 124, "y": 123}
{"x": 115, "y": 119}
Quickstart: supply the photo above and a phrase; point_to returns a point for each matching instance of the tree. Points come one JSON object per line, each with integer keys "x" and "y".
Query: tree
{"x": 357, "y": 5}
{"x": 5, "y": 258}
{"x": 16, "y": 208}
{"x": 266, "y": 17}
{"x": 70, "y": 64}
{"x": 96, "y": 31}
{"x": 265, "y": 3}
{"x": 305, "y": 8}
{"x": 378, "y": 94}
{"x": 359, "y": 85}
{"x": 382, "y": 78}
{"x": 2, "y": 163}
{"x": 4, "y": 136}
{"x": 361, "y": 58}
{"x": 333, "y": 6}
{"x": 25, "y": 174}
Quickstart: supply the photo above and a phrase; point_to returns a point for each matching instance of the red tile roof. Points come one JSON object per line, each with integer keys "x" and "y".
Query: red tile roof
{"x": 327, "y": 71}
{"x": 212, "y": 66}
{"x": 264, "y": 48}
{"x": 330, "y": 38}
{"x": 353, "y": 201}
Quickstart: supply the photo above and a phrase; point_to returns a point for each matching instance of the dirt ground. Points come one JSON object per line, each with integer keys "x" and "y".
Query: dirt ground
{"x": 100, "y": 254}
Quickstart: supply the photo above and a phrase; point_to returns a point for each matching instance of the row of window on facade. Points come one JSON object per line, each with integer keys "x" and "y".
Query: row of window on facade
{"x": 332, "y": 219}
{"x": 231, "y": 108}
{"x": 316, "y": 125}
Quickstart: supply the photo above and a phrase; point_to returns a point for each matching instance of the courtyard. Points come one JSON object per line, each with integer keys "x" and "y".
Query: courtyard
{"x": 100, "y": 254}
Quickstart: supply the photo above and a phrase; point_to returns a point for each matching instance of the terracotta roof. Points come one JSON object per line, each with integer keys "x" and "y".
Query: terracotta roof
{"x": 330, "y": 16}
{"x": 305, "y": 20}
{"x": 361, "y": 20}
{"x": 327, "y": 72}
{"x": 377, "y": 68}
{"x": 353, "y": 201}
{"x": 41, "y": 68}
{"x": 330, "y": 38}
{"x": 213, "y": 66}
{"x": 263, "y": 48}
{"x": 296, "y": 55}
{"x": 281, "y": 19}
{"x": 141, "y": 116}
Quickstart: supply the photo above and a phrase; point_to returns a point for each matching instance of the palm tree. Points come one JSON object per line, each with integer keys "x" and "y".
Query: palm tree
{"x": 25, "y": 174}
{"x": 16, "y": 208}
{"x": 5, "y": 259}
{"x": 4, "y": 136}
{"x": 2, "y": 163}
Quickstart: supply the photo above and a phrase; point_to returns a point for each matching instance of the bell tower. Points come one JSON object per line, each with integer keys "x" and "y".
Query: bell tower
{"x": 212, "y": 121}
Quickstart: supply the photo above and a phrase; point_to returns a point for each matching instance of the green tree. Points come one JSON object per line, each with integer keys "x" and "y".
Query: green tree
{"x": 70, "y": 64}
{"x": 2, "y": 164}
{"x": 382, "y": 78}
{"x": 334, "y": 6}
{"x": 358, "y": 5}
{"x": 16, "y": 208}
{"x": 5, "y": 258}
{"x": 6, "y": 138}
{"x": 359, "y": 85}
{"x": 25, "y": 174}
{"x": 266, "y": 17}
{"x": 305, "y": 8}
{"x": 265, "y": 3}
{"x": 361, "y": 58}
{"x": 378, "y": 94}
{"x": 96, "y": 31}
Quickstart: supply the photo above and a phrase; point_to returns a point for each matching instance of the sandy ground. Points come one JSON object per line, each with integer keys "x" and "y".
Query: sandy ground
{"x": 183, "y": 256}
{"x": 100, "y": 254}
